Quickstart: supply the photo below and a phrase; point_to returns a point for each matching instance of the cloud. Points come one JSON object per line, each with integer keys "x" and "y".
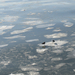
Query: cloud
{"x": 30, "y": 68}
{"x": 31, "y": 14}
{"x": 56, "y": 35}
{"x": 56, "y": 30}
{"x": 10, "y": 18}
{"x": 68, "y": 24}
{"x": 43, "y": 26}
{"x": 56, "y": 3}
{"x": 31, "y": 18}
{"x": 32, "y": 57}
{"x": 69, "y": 49}
{"x": 13, "y": 37}
{"x": 16, "y": 74}
{"x": 21, "y": 31}
{"x": 41, "y": 50}
{"x": 56, "y": 59}
{"x": 73, "y": 34}
{"x": 5, "y": 27}
{"x": 73, "y": 18}
{"x": 32, "y": 40}
{"x": 71, "y": 54}
{"x": 4, "y": 45}
{"x": 64, "y": 21}
{"x": 33, "y": 73}
{"x": 49, "y": 28}
{"x": 1, "y": 32}
{"x": 58, "y": 43}
{"x": 33, "y": 22}
{"x": 57, "y": 51}
{"x": 5, "y": 62}
{"x": 59, "y": 65}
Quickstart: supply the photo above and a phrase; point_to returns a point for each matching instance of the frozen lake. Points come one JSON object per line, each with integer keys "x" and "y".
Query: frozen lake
{"x": 25, "y": 25}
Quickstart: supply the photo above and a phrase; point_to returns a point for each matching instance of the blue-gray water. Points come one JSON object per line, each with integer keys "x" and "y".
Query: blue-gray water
{"x": 25, "y": 25}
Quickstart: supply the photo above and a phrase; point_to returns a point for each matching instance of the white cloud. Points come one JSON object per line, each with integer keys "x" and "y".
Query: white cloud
{"x": 43, "y": 26}
{"x": 57, "y": 43}
{"x": 5, "y": 62}
{"x": 31, "y": 18}
{"x": 41, "y": 50}
{"x": 13, "y": 37}
{"x": 16, "y": 74}
{"x": 31, "y": 14}
{"x": 71, "y": 54}
{"x": 33, "y": 22}
{"x": 73, "y": 18}
{"x": 5, "y": 27}
{"x": 10, "y": 18}
{"x": 1, "y": 32}
{"x": 56, "y": 35}
{"x": 30, "y": 68}
{"x": 56, "y": 59}
{"x": 57, "y": 51}
{"x": 73, "y": 34}
{"x": 64, "y": 21}
{"x": 59, "y": 65}
{"x": 4, "y": 45}
{"x": 32, "y": 40}
{"x": 21, "y": 31}
{"x": 69, "y": 49}
{"x": 56, "y": 30}
{"x": 68, "y": 24}
{"x": 33, "y": 73}
{"x": 49, "y": 28}
{"x": 32, "y": 57}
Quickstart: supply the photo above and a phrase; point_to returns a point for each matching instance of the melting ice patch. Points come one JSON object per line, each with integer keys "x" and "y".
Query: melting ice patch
{"x": 56, "y": 35}
{"x": 10, "y": 18}
{"x": 41, "y": 50}
{"x": 21, "y": 31}
{"x": 4, "y": 45}
{"x": 68, "y": 24}
{"x": 17, "y": 74}
{"x": 32, "y": 40}
{"x": 43, "y": 26}
{"x": 13, "y": 37}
